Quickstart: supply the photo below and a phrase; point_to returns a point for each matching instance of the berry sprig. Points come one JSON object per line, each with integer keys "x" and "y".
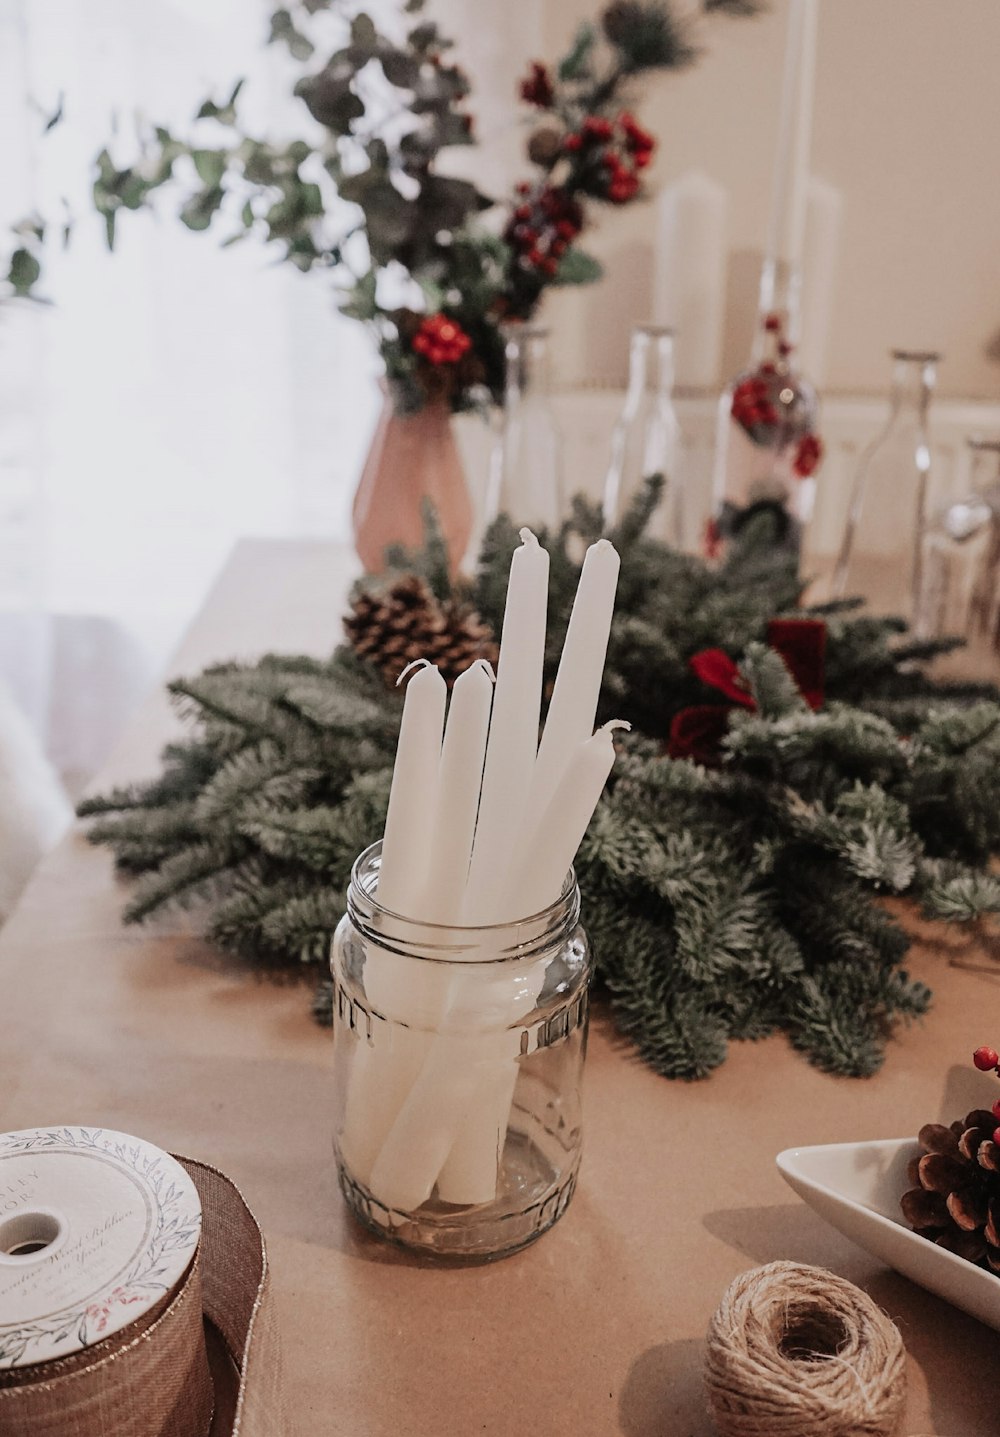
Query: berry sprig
{"x": 543, "y": 226}
{"x": 987, "y": 1060}
{"x": 441, "y": 340}
{"x": 752, "y": 406}
{"x": 537, "y": 87}
{"x": 608, "y": 155}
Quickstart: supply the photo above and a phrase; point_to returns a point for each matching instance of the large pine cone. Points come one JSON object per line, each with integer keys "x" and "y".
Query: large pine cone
{"x": 392, "y": 627}
{"x": 955, "y": 1198}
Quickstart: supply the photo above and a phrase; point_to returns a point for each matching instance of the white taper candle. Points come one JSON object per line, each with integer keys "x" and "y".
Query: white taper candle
{"x": 791, "y": 174}
{"x": 513, "y": 740}
{"x": 460, "y": 777}
{"x": 819, "y": 276}
{"x": 406, "y": 844}
{"x": 689, "y": 278}
{"x": 570, "y": 719}
{"x": 543, "y": 863}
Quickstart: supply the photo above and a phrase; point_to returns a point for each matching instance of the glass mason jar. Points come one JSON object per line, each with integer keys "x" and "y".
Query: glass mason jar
{"x": 646, "y": 438}
{"x": 526, "y": 463}
{"x": 458, "y": 1056}
{"x": 881, "y": 556}
{"x": 767, "y": 445}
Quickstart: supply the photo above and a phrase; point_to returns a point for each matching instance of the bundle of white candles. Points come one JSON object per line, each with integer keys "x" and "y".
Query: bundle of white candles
{"x": 482, "y": 828}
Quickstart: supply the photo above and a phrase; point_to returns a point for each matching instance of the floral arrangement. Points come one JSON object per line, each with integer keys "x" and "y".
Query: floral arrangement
{"x": 430, "y": 263}
{"x": 954, "y": 1197}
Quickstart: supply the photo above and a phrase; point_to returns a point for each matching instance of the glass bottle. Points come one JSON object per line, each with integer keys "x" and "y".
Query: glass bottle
{"x": 458, "y": 1120}
{"x": 767, "y": 441}
{"x": 526, "y": 463}
{"x": 961, "y": 588}
{"x": 881, "y": 556}
{"x": 646, "y": 438}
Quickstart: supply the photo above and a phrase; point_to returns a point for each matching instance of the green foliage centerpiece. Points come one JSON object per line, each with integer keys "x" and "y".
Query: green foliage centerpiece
{"x": 729, "y": 898}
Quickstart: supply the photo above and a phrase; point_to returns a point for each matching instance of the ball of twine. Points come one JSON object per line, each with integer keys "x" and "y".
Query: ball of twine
{"x": 798, "y": 1350}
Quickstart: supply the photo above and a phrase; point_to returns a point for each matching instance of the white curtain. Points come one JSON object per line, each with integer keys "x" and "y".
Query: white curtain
{"x": 174, "y": 396}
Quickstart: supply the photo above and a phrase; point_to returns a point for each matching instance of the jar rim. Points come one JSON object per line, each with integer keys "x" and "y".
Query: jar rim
{"x": 511, "y": 940}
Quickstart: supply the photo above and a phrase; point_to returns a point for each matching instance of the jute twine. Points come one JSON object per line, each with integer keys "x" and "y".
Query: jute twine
{"x": 798, "y": 1350}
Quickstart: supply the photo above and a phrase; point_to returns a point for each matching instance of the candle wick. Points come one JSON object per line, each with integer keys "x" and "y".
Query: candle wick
{"x": 413, "y": 664}
{"x": 613, "y": 724}
{"x": 487, "y": 667}
{"x": 527, "y": 537}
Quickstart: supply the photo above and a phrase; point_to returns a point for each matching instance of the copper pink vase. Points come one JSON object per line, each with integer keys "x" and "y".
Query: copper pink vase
{"x": 413, "y": 457}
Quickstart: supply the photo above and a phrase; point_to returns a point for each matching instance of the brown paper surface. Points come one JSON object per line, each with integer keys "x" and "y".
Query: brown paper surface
{"x": 599, "y": 1327}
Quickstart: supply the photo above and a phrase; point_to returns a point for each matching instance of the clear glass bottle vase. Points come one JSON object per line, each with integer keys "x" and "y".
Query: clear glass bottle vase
{"x": 961, "y": 584}
{"x": 767, "y": 439}
{"x": 646, "y": 438}
{"x": 882, "y": 555}
{"x": 526, "y": 463}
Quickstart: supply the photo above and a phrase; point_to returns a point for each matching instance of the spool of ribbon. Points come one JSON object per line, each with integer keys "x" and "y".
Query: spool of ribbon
{"x": 133, "y": 1294}
{"x": 795, "y": 1349}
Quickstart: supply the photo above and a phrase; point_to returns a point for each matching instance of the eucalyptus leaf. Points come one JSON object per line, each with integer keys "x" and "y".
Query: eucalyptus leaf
{"x": 364, "y": 36}
{"x": 330, "y": 100}
{"x": 210, "y": 164}
{"x": 577, "y": 267}
{"x": 24, "y": 271}
{"x": 576, "y": 65}
{"x": 400, "y": 69}
{"x": 200, "y": 209}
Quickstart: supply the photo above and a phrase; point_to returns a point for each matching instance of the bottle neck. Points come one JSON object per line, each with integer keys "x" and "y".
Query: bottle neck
{"x": 651, "y": 363}
{"x": 778, "y": 314}
{"x": 913, "y": 379}
{"x": 526, "y": 350}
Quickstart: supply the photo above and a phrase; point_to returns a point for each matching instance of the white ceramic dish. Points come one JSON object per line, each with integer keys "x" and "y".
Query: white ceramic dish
{"x": 856, "y": 1187}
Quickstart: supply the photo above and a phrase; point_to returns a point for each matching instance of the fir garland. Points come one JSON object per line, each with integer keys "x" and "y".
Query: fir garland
{"x": 726, "y": 902}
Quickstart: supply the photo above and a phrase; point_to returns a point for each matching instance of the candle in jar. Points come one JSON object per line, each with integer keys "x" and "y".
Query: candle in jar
{"x": 457, "y": 801}
{"x": 537, "y": 877}
{"x": 406, "y": 844}
{"x": 513, "y": 738}
{"x": 570, "y": 719}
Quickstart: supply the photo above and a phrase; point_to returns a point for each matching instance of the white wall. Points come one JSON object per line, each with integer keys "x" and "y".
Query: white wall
{"x": 907, "y": 125}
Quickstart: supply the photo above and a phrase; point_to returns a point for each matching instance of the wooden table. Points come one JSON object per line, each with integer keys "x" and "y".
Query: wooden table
{"x": 598, "y": 1328}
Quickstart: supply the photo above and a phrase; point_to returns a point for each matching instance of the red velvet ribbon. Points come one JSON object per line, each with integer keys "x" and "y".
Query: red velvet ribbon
{"x": 697, "y": 731}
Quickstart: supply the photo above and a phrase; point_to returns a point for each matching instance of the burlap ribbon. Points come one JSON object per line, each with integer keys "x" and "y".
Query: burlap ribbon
{"x": 205, "y": 1362}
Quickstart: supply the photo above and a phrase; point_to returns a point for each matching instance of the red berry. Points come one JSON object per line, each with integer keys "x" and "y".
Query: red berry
{"x": 996, "y": 1108}
{"x": 985, "y": 1059}
{"x": 523, "y": 212}
{"x": 566, "y": 230}
{"x": 772, "y": 323}
{"x": 572, "y": 142}
{"x": 522, "y": 187}
{"x": 641, "y": 158}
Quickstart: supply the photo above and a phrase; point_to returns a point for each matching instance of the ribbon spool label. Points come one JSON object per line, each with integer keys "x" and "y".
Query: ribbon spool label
{"x": 96, "y": 1227}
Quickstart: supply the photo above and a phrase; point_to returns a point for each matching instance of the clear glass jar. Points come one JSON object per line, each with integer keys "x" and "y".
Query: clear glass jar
{"x": 458, "y": 1056}
{"x": 646, "y": 438}
{"x": 526, "y": 463}
{"x": 767, "y": 438}
{"x": 882, "y": 554}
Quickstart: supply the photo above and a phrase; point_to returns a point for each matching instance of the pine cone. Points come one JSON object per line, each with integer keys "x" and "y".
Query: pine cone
{"x": 392, "y": 627}
{"x": 955, "y": 1198}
